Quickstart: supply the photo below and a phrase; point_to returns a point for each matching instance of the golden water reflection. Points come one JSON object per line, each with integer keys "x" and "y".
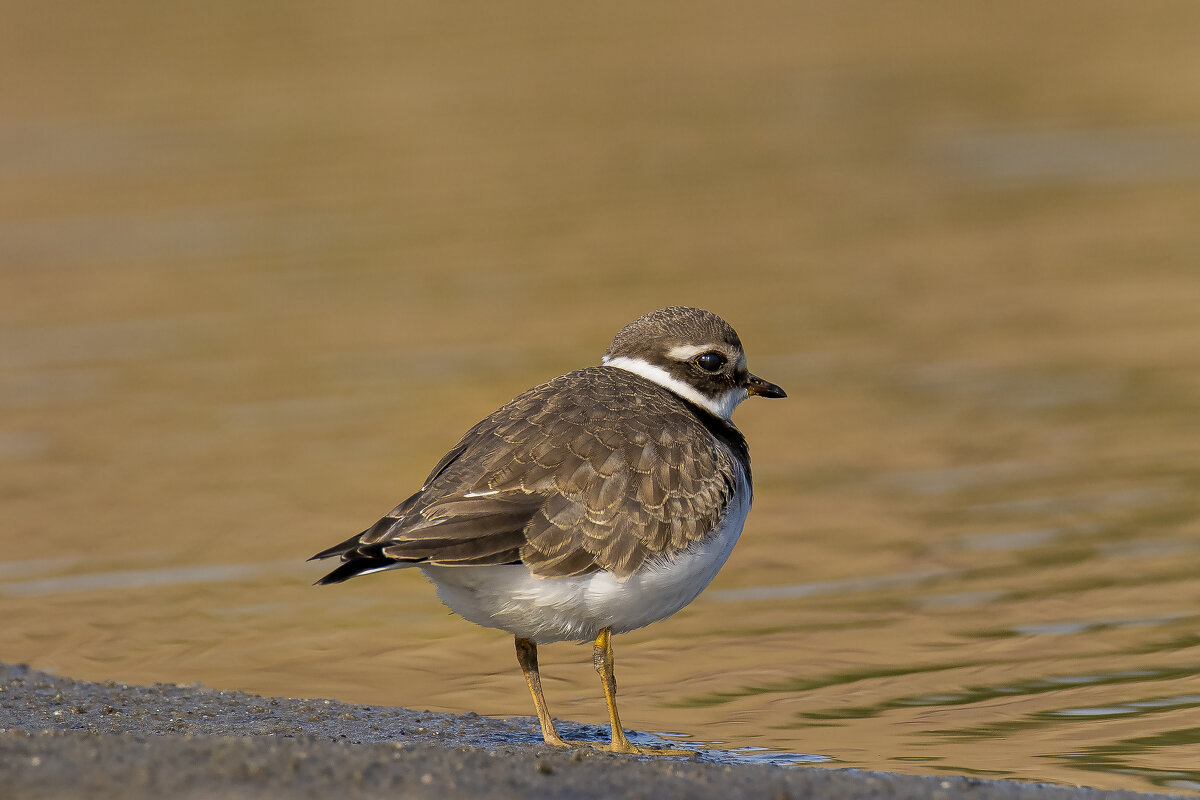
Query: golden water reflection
{"x": 258, "y": 276}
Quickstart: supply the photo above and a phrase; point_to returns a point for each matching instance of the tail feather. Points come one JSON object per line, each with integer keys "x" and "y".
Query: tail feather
{"x": 339, "y": 549}
{"x": 359, "y": 566}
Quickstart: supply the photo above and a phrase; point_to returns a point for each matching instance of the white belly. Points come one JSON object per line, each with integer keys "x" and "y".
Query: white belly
{"x": 576, "y": 608}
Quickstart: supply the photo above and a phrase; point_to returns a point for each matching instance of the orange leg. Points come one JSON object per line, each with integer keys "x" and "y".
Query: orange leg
{"x": 605, "y": 662}
{"x": 527, "y": 657}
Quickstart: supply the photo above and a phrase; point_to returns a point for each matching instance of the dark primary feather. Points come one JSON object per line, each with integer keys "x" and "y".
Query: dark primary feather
{"x": 596, "y": 469}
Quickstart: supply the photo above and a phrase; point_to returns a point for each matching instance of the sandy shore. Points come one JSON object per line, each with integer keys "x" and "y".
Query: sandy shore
{"x": 63, "y": 738}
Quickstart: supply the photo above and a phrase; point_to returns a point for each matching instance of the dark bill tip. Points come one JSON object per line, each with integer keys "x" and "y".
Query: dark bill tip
{"x": 757, "y": 386}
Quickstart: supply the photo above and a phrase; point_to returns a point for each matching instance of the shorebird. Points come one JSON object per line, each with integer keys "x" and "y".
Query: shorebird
{"x": 594, "y": 504}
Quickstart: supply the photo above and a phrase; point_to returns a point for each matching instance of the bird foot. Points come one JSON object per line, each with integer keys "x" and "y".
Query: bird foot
{"x": 625, "y": 747}
{"x": 646, "y": 750}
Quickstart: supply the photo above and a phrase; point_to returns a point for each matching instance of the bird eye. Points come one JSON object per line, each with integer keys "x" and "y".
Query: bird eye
{"x": 710, "y": 362}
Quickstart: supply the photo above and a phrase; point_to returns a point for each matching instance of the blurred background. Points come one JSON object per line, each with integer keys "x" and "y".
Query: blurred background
{"x": 261, "y": 265}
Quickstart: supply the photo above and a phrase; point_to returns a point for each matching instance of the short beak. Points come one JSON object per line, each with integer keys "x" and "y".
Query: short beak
{"x": 757, "y": 386}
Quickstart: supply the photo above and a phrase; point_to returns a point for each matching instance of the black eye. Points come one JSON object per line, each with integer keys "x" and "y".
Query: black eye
{"x": 710, "y": 362}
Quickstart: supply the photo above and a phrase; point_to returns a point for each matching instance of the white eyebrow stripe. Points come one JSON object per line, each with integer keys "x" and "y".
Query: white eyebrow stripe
{"x": 686, "y": 352}
{"x": 721, "y": 407}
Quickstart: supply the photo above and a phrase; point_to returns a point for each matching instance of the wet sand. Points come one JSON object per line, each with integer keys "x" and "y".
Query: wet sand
{"x": 64, "y": 738}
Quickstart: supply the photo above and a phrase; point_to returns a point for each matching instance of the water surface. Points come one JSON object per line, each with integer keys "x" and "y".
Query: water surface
{"x": 260, "y": 268}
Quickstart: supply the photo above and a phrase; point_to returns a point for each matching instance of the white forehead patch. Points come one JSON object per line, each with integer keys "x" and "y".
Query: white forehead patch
{"x": 722, "y": 406}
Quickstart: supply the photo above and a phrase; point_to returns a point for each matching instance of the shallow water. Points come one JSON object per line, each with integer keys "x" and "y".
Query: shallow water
{"x": 257, "y": 277}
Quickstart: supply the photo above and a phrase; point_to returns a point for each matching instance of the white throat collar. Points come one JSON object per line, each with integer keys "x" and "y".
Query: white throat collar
{"x": 717, "y": 406}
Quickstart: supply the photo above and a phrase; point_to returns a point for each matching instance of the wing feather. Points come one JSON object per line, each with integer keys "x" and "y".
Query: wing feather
{"x": 597, "y": 469}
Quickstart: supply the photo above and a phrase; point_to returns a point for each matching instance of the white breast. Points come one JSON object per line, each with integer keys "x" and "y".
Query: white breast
{"x": 576, "y": 608}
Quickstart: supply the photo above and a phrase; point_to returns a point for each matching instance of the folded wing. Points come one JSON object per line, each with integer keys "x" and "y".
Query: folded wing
{"x": 576, "y": 475}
